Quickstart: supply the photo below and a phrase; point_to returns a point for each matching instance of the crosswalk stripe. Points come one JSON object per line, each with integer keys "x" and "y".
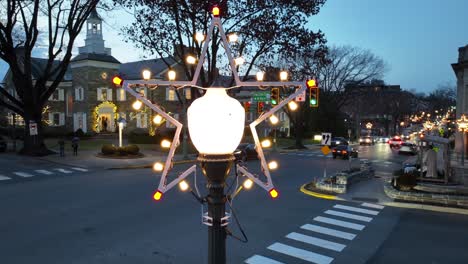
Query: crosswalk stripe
{"x": 300, "y": 253}
{"x": 80, "y": 169}
{"x": 328, "y": 231}
{"x": 316, "y": 241}
{"x": 46, "y": 172}
{"x": 336, "y": 222}
{"x": 356, "y": 209}
{"x": 376, "y": 206}
{"x": 23, "y": 174}
{"x": 388, "y": 162}
{"x": 350, "y": 216}
{"x": 4, "y": 178}
{"x": 257, "y": 259}
{"x": 376, "y": 160}
{"x": 63, "y": 171}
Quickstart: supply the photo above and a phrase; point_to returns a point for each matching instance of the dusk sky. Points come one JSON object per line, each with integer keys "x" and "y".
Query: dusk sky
{"x": 418, "y": 39}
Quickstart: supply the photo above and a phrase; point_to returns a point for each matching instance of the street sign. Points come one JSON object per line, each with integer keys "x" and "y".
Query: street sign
{"x": 301, "y": 97}
{"x": 32, "y": 128}
{"x": 262, "y": 96}
{"x": 326, "y": 139}
{"x": 325, "y": 150}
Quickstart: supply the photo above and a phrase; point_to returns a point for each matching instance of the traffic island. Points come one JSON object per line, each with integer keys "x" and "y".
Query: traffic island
{"x": 125, "y": 152}
{"x": 339, "y": 182}
{"x": 424, "y": 197}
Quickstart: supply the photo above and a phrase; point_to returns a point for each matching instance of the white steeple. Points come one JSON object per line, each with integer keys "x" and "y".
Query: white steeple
{"x": 94, "y": 42}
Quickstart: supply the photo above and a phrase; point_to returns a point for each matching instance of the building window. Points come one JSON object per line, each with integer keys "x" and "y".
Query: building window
{"x": 79, "y": 94}
{"x": 282, "y": 116}
{"x": 188, "y": 93}
{"x": 169, "y": 124}
{"x": 171, "y": 94}
{"x": 142, "y": 120}
{"x": 19, "y": 121}
{"x": 79, "y": 121}
{"x": 58, "y": 95}
{"x": 56, "y": 119}
{"x": 121, "y": 95}
{"x": 104, "y": 94}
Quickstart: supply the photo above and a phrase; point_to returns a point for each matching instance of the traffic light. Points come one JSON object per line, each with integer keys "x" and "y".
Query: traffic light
{"x": 247, "y": 107}
{"x": 260, "y": 107}
{"x": 275, "y": 96}
{"x": 313, "y": 93}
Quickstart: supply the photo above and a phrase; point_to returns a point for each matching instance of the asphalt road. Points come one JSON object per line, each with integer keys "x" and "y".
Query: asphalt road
{"x": 102, "y": 216}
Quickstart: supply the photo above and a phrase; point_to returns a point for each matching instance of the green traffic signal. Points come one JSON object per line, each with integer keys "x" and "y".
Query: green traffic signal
{"x": 313, "y": 101}
{"x": 273, "y": 102}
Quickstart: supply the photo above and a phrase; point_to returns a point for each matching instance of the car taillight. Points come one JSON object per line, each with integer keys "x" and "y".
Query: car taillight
{"x": 334, "y": 150}
{"x": 344, "y": 152}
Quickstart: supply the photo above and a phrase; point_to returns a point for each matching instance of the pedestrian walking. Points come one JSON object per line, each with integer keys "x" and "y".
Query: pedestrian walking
{"x": 62, "y": 147}
{"x": 75, "y": 141}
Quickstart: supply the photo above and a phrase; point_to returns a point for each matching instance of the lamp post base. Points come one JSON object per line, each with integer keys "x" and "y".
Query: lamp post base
{"x": 216, "y": 168}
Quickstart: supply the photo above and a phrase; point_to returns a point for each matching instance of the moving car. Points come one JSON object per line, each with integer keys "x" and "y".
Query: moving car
{"x": 336, "y": 141}
{"x": 345, "y": 152}
{"x": 395, "y": 142}
{"x": 3, "y": 144}
{"x": 245, "y": 151}
{"x": 408, "y": 148}
{"x": 366, "y": 140}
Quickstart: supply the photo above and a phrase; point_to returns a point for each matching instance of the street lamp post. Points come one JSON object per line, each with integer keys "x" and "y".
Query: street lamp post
{"x": 216, "y": 134}
{"x": 463, "y": 127}
{"x": 121, "y": 121}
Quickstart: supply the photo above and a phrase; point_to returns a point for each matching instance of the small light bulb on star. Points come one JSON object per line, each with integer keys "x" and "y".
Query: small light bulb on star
{"x": 266, "y": 143}
{"x": 199, "y": 37}
{"x": 165, "y": 143}
{"x": 158, "y": 166}
{"x": 248, "y": 184}
{"x": 293, "y": 106}
{"x": 157, "y": 119}
{"x": 183, "y": 185}
{"x": 233, "y": 37}
{"x": 137, "y": 105}
{"x": 273, "y": 165}
{"x": 274, "y": 119}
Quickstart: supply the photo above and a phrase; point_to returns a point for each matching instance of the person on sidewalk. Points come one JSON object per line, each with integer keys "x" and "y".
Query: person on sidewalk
{"x": 62, "y": 147}
{"x": 75, "y": 141}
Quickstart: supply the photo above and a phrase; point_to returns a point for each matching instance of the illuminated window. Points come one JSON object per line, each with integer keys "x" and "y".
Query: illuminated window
{"x": 121, "y": 95}
{"x": 188, "y": 93}
{"x": 171, "y": 94}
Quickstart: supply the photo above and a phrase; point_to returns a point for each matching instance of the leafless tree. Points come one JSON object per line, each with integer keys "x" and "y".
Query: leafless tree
{"x": 23, "y": 22}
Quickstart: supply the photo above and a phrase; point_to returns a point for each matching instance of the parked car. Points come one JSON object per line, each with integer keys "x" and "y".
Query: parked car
{"x": 3, "y": 144}
{"x": 395, "y": 142}
{"x": 245, "y": 151}
{"x": 336, "y": 141}
{"x": 408, "y": 148}
{"x": 366, "y": 140}
{"x": 344, "y": 151}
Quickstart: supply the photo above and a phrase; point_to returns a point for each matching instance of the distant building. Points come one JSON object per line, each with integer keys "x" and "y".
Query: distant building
{"x": 369, "y": 103}
{"x": 86, "y": 99}
{"x": 461, "y": 72}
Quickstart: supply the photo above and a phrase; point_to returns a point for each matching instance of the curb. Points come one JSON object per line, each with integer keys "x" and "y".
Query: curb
{"x": 149, "y": 166}
{"x": 427, "y": 207}
{"x": 319, "y": 195}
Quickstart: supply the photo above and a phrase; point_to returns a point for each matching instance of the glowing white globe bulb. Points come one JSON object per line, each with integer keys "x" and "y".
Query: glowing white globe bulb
{"x": 216, "y": 122}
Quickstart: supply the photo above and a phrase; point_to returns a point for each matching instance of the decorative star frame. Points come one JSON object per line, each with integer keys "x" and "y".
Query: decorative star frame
{"x": 163, "y": 184}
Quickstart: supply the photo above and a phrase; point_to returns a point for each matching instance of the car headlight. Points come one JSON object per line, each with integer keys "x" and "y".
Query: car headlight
{"x": 338, "y": 142}
{"x": 360, "y": 140}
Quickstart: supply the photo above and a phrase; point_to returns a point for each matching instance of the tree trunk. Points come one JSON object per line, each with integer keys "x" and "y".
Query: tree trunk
{"x": 34, "y": 144}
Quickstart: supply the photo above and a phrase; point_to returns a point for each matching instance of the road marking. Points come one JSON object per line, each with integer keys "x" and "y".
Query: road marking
{"x": 23, "y": 174}
{"x": 316, "y": 241}
{"x": 364, "y": 159}
{"x": 388, "y": 162}
{"x": 300, "y": 154}
{"x": 80, "y": 169}
{"x": 376, "y": 161}
{"x": 46, "y": 172}
{"x": 356, "y": 209}
{"x": 257, "y": 259}
{"x": 4, "y": 178}
{"x": 328, "y": 231}
{"x": 300, "y": 253}
{"x": 350, "y": 216}
{"x": 336, "y": 222}
{"x": 64, "y": 171}
{"x": 376, "y": 206}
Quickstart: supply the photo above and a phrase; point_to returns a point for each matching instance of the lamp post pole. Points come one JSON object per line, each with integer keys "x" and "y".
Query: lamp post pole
{"x": 216, "y": 168}
{"x": 463, "y": 150}
{"x": 462, "y": 127}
